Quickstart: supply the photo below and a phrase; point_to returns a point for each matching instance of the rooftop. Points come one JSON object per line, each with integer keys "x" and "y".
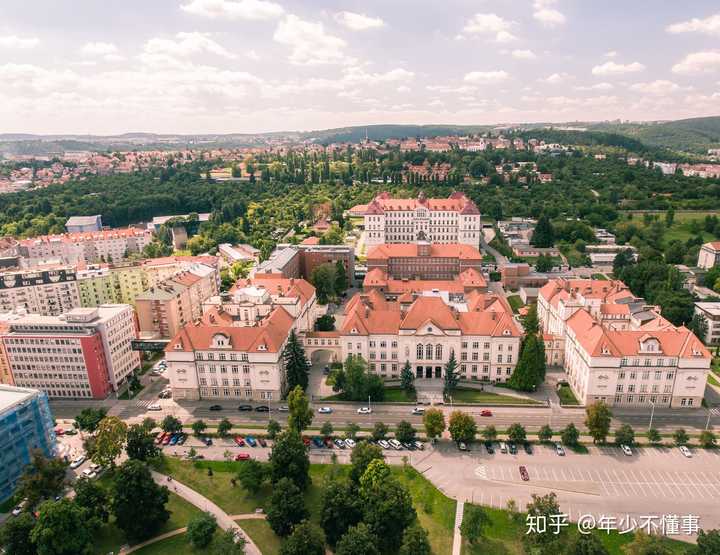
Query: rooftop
{"x": 11, "y": 396}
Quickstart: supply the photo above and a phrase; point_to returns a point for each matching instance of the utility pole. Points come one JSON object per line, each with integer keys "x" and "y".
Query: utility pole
{"x": 652, "y": 413}
{"x": 707, "y": 423}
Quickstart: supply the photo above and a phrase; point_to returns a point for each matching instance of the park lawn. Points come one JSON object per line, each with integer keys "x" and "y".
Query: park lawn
{"x": 461, "y": 395}
{"x": 567, "y": 397}
{"x": 680, "y": 230}
{"x": 263, "y": 536}
{"x": 398, "y": 395}
{"x": 515, "y": 302}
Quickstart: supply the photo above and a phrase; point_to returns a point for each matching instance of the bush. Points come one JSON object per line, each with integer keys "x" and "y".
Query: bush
{"x": 200, "y": 530}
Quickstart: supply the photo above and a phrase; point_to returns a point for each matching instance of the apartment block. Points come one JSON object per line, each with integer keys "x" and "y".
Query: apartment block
{"x": 47, "y": 290}
{"x": 711, "y": 312}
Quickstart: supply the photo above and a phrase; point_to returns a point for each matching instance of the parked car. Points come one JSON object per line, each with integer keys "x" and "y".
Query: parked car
{"x": 350, "y": 443}
{"x": 174, "y": 439}
{"x": 419, "y": 445}
{"x": 325, "y": 410}
{"x": 89, "y": 473}
{"x": 19, "y": 509}
{"x": 239, "y": 441}
{"x": 384, "y": 444}
{"x": 685, "y": 451}
{"x": 245, "y": 408}
{"x": 340, "y": 443}
{"x": 318, "y": 442}
{"x": 395, "y": 444}
{"x": 524, "y": 474}
{"x": 262, "y": 408}
{"x": 328, "y": 442}
{"x": 418, "y": 410}
{"x": 326, "y": 370}
{"x": 242, "y": 456}
{"x": 462, "y": 446}
{"x": 159, "y": 438}
{"x": 166, "y": 439}
{"x": 283, "y": 408}
{"x": 262, "y": 442}
{"x": 512, "y": 447}
{"x": 71, "y": 432}
{"x": 182, "y": 438}
{"x": 486, "y": 413}
{"x": 250, "y": 440}
{"x": 559, "y": 450}
{"x": 489, "y": 447}
{"x": 626, "y": 450}
{"x": 364, "y": 410}
{"x": 154, "y": 407}
{"x": 409, "y": 446}
{"x": 207, "y": 441}
{"x": 528, "y": 448}
{"x": 503, "y": 447}
{"x": 215, "y": 407}
{"x": 306, "y": 441}
{"x": 77, "y": 462}
{"x": 59, "y": 431}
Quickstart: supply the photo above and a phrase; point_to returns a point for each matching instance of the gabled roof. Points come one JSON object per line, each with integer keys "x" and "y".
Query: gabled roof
{"x": 429, "y": 310}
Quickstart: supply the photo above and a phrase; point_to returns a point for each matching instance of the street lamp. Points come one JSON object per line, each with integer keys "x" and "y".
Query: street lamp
{"x": 707, "y": 422}
{"x": 652, "y": 413}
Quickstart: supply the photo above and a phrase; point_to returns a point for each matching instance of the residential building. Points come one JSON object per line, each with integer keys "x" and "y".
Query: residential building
{"x": 709, "y": 255}
{"x": 238, "y": 253}
{"x": 618, "y": 349}
{"x": 80, "y": 224}
{"x": 26, "y": 425}
{"x": 423, "y": 260}
{"x": 82, "y": 354}
{"x": 299, "y": 261}
{"x": 447, "y": 221}
{"x": 47, "y": 290}
{"x": 604, "y": 254}
{"x": 109, "y": 284}
{"x": 711, "y": 312}
{"x": 425, "y": 328}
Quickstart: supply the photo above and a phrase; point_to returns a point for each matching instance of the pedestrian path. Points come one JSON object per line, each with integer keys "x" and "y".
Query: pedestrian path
{"x": 457, "y": 537}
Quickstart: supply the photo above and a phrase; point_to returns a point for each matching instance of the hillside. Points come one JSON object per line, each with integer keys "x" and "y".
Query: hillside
{"x": 384, "y": 132}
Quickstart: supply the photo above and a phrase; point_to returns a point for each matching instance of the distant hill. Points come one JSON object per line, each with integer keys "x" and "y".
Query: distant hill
{"x": 384, "y": 132}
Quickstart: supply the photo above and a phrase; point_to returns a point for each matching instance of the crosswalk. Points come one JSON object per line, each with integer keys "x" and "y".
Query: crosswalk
{"x": 481, "y": 472}
{"x": 715, "y": 411}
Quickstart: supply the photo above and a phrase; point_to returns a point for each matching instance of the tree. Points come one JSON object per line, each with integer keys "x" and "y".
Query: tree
{"x": 707, "y": 439}
{"x": 597, "y": 420}
{"x": 529, "y": 371}
{"x": 326, "y": 322}
{"x": 434, "y": 422}
{"x": 625, "y": 435}
{"x": 670, "y": 216}
{"x": 654, "y": 436}
{"x": 351, "y": 430}
{"x": 474, "y": 522}
{"x": 542, "y": 508}
{"x": 89, "y": 419}
{"x": 358, "y": 540}
{"x": 301, "y": 415}
{"x": 451, "y": 377}
{"x": 379, "y": 431}
{"x": 62, "y": 529}
{"x": 530, "y": 321}
{"x": 462, "y": 427}
{"x": 570, "y": 435}
{"x": 273, "y": 429}
{"x": 699, "y": 326}
{"x": 407, "y": 378}
{"x": 404, "y": 432}
{"x": 543, "y": 263}
{"x": 93, "y": 498}
{"x": 149, "y": 423}
{"x": 133, "y": 493}
{"x": 323, "y": 278}
{"x": 543, "y": 236}
{"x": 171, "y": 425}
{"x": 646, "y": 544}
{"x": 224, "y": 427}
{"x": 198, "y": 427}
{"x": 227, "y": 543}
{"x": 356, "y": 383}
{"x": 362, "y": 455}
{"x": 341, "y": 278}
{"x": 15, "y": 535}
{"x": 200, "y": 530}
{"x": 306, "y": 539}
{"x": 140, "y": 443}
{"x": 489, "y": 433}
{"x": 708, "y": 543}
{"x": 516, "y": 433}
{"x": 287, "y": 507}
{"x": 339, "y": 509}
{"x": 289, "y": 459}
{"x": 680, "y": 437}
{"x": 109, "y": 441}
{"x": 545, "y": 433}
{"x": 326, "y": 430}
{"x": 415, "y": 541}
{"x": 586, "y": 544}
{"x": 43, "y": 478}
{"x": 297, "y": 366}
{"x": 251, "y": 475}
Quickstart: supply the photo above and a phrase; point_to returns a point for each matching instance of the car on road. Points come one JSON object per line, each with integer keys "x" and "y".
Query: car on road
{"x": 242, "y": 457}
{"x": 262, "y": 408}
{"x": 318, "y": 442}
{"x": 250, "y": 440}
{"x": 559, "y": 450}
{"x": 350, "y": 443}
{"x": 154, "y": 407}
{"x": 89, "y": 473}
{"x": 489, "y": 448}
{"x": 485, "y": 412}
{"x": 503, "y": 447}
{"x": 395, "y": 444}
{"x": 626, "y": 450}
{"x": 528, "y": 448}
{"x": 182, "y": 439}
{"x": 325, "y": 410}
{"x": 239, "y": 441}
{"x": 524, "y": 474}
{"x": 418, "y": 410}
{"x": 685, "y": 451}
{"x": 364, "y": 410}
{"x": 77, "y": 462}
{"x": 512, "y": 447}
{"x": 340, "y": 443}
{"x": 215, "y": 407}
{"x": 462, "y": 446}
{"x": 284, "y": 408}
{"x": 245, "y": 408}
{"x": 262, "y": 442}
{"x": 419, "y": 445}
{"x": 384, "y": 444}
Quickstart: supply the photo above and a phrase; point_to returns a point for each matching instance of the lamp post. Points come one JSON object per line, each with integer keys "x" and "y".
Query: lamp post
{"x": 707, "y": 422}
{"x": 652, "y": 413}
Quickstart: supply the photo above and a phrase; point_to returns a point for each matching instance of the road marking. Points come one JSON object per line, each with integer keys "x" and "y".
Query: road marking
{"x": 684, "y": 484}
{"x": 710, "y": 483}
{"x": 481, "y": 472}
{"x": 661, "y": 482}
{"x": 610, "y": 482}
{"x": 690, "y": 481}
{"x": 626, "y": 482}
{"x": 678, "y": 489}
{"x": 555, "y": 475}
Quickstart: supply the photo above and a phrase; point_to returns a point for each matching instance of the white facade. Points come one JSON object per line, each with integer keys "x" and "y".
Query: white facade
{"x": 48, "y": 292}
{"x": 709, "y": 255}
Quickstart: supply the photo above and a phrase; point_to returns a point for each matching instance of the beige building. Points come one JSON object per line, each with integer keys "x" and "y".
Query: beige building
{"x": 49, "y": 290}
{"x": 709, "y": 255}
{"x": 711, "y": 312}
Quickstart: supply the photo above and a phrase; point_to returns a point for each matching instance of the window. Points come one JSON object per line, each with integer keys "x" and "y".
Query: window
{"x": 646, "y": 375}
{"x": 670, "y": 375}
{"x": 428, "y": 351}
{"x": 438, "y": 351}
{"x": 619, "y": 388}
{"x": 658, "y": 374}
{"x": 419, "y": 351}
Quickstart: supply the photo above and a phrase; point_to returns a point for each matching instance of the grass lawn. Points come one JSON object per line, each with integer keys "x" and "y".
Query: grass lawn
{"x": 680, "y": 230}
{"x": 601, "y": 277}
{"x": 263, "y": 536}
{"x": 567, "y": 397}
{"x": 487, "y": 398}
{"x": 176, "y": 545}
{"x": 398, "y": 395}
{"x": 712, "y": 378}
{"x": 515, "y": 302}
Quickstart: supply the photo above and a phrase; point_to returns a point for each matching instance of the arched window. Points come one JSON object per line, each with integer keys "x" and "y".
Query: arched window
{"x": 419, "y": 351}
{"x": 438, "y": 351}
{"x": 428, "y": 351}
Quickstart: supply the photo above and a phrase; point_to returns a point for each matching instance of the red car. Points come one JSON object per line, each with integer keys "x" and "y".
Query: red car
{"x": 486, "y": 413}
{"x": 524, "y": 474}
{"x": 166, "y": 439}
{"x": 160, "y": 437}
{"x": 240, "y": 441}
{"x": 306, "y": 440}
{"x": 242, "y": 457}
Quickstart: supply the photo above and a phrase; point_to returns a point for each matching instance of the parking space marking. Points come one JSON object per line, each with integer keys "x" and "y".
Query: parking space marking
{"x": 555, "y": 475}
{"x": 710, "y": 483}
{"x": 684, "y": 483}
{"x": 678, "y": 491}
{"x": 627, "y": 483}
{"x": 691, "y": 482}
{"x": 663, "y": 484}
{"x": 610, "y": 482}
{"x": 637, "y": 482}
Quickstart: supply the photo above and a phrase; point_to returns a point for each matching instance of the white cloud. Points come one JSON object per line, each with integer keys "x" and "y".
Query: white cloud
{"x": 556, "y": 78}
{"x": 490, "y": 24}
{"x": 175, "y": 51}
{"x": 523, "y": 54}
{"x": 612, "y": 68}
{"x": 105, "y": 50}
{"x": 708, "y": 26}
{"x": 546, "y": 14}
{"x": 448, "y": 89}
{"x": 358, "y": 21}
{"x": 403, "y": 89}
{"x": 21, "y": 43}
{"x": 660, "y": 87}
{"x": 485, "y": 77}
{"x": 611, "y": 54}
{"x": 310, "y": 44}
{"x": 252, "y": 10}
{"x": 698, "y": 62}
{"x": 596, "y": 87}
{"x": 252, "y": 55}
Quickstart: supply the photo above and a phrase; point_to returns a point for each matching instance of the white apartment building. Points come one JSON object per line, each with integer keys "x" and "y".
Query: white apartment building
{"x": 452, "y": 220}
{"x": 425, "y": 328}
{"x": 711, "y": 312}
{"x": 48, "y": 291}
{"x": 709, "y": 255}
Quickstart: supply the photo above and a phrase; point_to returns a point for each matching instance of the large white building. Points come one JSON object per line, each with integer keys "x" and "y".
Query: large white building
{"x": 711, "y": 312}
{"x": 393, "y": 220}
{"x": 618, "y": 349}
{"x": 709, "y": 255}
{"x": 48, "y": 290}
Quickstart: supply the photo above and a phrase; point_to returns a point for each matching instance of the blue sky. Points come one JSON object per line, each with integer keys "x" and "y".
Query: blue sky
{"x": 194, "y": 66}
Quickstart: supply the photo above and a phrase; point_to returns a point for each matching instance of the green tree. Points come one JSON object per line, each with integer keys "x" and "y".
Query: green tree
{"x": 89, "y": 419}
{"x": 323, "y": 278}
{"x": 489, "y": 433}
{"x": 224, "y": 427}
{"x": 326, "y": 430}
{"x": 326, "y": 322}
{"x": 680, "y": 437}
{"x": 252, "y": 474}
{"x": 404, "y": 432}
{"x": 16, "y": 533}
{"x": 415, "y": 541}
{"x": 356, "y": 383}
{"x": 198, "y": 427}
{"x": 171, "y": 425}
{"x": 133, "y": 493}
{"x": 380, "y": 431}
{"x": 708, "y": 543}
{"x": 586, "y": 544}
{"x": 301, "y": 415}
{"x": 289, "y": 459}
{"x": 149, "y": 423}
{"x": 227, "y": 543}
{"x": 654, "y": 436}
{"x": 306, "y": 539}
{"x": 286, "y": 508}
{"x": 545, "y": 433}
{"x": 434, "y": 422}
{"x": 623, "y": 259}
{"x": 140, "y": 443}
{"x": 707, "y": 439}
{"x": 543, "y": 507}
{"x": 530, "y": 321}
{"x": 699, "y": 326}
{"x": 297, "y": 367}
{"x": 516, "y": 432}
{"x": 543, "y": 236}
{"x": 93, "y": 498}
{"x": 543, "y": 263}
{"x": 358, "y": 540}
{"x": 62, "y": 528}
{"x": 597, "y": 420}
{"x": 570, "y": 435}
{"x": 341, "y": 278}
{"x": 109, "y": 441}
{"x": 43, "y": 478}
{"x": 451, "y": 375}
{"x": 462, "y": 427}
{"x": 351, "y": 430}
{"x": 273, "y": 429}
{"x": 475, "y": 521}
{"x": 529, "y": 371}
{"x": 339, "y": 509}
{"x": 200, "y": 530}
{"x": 407, "y": 378}
{"x": 669, "y": 216}
{"x": 362, "y": 455}
{"x": 625, "y": 435}
{"x": 646, "y": 544}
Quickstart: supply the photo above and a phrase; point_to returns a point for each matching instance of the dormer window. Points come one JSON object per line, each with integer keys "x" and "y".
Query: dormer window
{"x": 506, "y": 332}
{"x": 354, "y": 330}
{"x": 262, "y": 347}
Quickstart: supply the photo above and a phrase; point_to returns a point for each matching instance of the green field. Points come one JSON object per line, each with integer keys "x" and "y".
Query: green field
{"x": 468, "y": 395}
{"x": 262, "y": 535}
{"x": 680, "y": 230}
{"x": 567, "y": 397}
{"x": 398, "y": 395}
{"x": 515, "y": 302}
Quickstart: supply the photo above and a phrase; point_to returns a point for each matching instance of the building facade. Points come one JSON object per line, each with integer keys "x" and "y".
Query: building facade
{"x": 82, "y": 224}
{"x": 48, "y": 290}
{"x": 423, "y": 260}
{"x": 711, "y": 313}
{"x": 26, "y": 425}
{"x": 709, "y": 255}
{"x": 298, "y": 261}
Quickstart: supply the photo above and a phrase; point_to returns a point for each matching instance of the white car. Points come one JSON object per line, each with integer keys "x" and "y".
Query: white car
{"x": 559, "y": 450}
{"x": 626, "y": 449}
{"x": 325, "y": 410}
{"x": 77, "y": 462}
{"x": 19, "y": 509}
{"x": 384, "y": 444}
{"x": 462, "y": 446}
{"x": 418, "y": 410}
{"x": 364, "y": 410}
{"x": 155, "y": 407}
{"x": 89, "y": 473}
{"x": 350, "y": 443}
{"x": 685, "y": 451}
{"x": 283, "y": 408}
{"x": 395, "y": 444}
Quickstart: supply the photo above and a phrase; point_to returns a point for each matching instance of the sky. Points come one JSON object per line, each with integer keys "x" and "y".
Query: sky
{"x": 249, "y": 66}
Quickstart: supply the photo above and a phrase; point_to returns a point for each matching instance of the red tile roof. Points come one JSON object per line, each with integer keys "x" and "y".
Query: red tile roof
{"x": 410, "y": 250}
